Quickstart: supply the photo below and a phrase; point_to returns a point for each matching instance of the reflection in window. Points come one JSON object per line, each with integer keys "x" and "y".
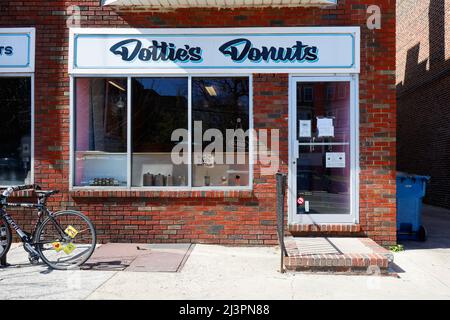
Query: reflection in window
{"x": 159, "y": 106}
{"x": 221, "y": 104}
{"x": 101, "y": 132}
{"x": 15, "y": 131}
{"x": 307, "y": 94}
{"x": 330, "y": 91}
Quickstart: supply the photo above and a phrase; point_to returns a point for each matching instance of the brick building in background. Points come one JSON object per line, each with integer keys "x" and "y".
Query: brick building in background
{"x": 423, "y": 94}
{"x": 97, "y": 137}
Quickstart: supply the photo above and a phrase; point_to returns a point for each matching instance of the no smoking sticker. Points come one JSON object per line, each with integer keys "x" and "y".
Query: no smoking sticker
{"x": 301, "y": 201}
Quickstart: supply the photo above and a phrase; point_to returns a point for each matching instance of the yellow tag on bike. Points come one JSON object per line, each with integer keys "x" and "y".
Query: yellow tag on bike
{"x": 57, "y": 246}
{"x": 69, "y": 248}
{"x": 71, "y": 231}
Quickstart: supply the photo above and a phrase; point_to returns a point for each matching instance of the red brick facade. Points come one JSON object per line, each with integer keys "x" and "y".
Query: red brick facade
{"x": 246, "y": 218}
{"x": 423, "y": 86}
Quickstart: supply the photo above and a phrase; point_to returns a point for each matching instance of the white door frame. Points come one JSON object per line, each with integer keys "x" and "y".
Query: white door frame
{"x": 353, "y": 217}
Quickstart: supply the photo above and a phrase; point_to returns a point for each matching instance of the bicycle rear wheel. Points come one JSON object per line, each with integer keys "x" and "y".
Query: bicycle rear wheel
{"x": 66, "y": 240}
{"x": 5, "y": 237}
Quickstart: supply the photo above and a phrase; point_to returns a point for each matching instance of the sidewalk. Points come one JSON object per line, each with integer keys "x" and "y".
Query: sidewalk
{"x": 218, "y": 272}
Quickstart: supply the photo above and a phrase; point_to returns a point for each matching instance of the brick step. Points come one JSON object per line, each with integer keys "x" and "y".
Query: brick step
{"x": 336, "y": 255}
{"x": 342, "y": 230}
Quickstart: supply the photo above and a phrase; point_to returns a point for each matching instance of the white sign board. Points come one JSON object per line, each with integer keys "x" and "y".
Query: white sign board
{"x": 335, "y": 159}
{"x": 17, "y": 50}
{"x": 245, "y": 50}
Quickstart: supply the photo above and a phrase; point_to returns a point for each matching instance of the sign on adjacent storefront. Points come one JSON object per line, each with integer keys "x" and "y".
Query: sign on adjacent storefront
{"x": 256, "y": 50}
{"x": 17, "y": 50}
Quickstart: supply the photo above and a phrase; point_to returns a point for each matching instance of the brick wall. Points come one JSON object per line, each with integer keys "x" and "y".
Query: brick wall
{"x": 423, "y": 89}
{"x": 212, "y": 217}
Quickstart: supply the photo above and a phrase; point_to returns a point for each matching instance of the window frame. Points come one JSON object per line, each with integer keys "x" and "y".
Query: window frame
{"x": 32, "y": 135}
{"x": 129, "y": 186}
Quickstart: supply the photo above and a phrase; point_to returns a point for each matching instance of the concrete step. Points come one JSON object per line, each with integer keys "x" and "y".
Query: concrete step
{"x": 336, "y": 255}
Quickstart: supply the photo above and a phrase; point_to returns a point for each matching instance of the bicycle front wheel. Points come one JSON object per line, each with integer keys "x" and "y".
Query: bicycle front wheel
{"x": 66, "y": 239}
{"x": 5, "y": 237}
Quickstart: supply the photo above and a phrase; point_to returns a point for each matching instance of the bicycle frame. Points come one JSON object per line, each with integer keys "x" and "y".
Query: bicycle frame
{"x": 42, "y": 212}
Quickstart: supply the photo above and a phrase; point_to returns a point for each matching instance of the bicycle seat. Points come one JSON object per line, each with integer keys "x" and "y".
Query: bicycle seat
{"x": 46, "y": 193}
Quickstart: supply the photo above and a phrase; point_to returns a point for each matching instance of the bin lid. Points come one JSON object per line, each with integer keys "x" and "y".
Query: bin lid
{"x": 403, "y": 175}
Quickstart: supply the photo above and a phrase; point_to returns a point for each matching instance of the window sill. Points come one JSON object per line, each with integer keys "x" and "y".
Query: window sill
{"x": 127, "y": 193}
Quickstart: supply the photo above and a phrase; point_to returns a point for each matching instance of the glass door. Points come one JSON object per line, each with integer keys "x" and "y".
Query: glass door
{"x": 323, "y": 141}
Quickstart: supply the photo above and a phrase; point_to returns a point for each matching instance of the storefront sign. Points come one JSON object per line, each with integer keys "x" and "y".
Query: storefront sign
{"x": 16, "y": 50}
{"x": 246, "y": 50}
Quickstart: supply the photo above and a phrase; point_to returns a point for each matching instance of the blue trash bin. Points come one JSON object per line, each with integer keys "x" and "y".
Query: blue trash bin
{"x": 410, "y": 192}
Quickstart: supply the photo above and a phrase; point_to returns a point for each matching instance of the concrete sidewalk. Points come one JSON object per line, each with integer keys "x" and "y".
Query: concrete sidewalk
{"x": 218, "y": 272}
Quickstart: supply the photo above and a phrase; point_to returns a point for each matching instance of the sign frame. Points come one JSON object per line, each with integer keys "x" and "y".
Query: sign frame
{"x": 22, "y": 66}
{"x": 127, "y": 33}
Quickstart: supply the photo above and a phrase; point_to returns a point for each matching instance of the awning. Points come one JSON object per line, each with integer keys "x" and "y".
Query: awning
{"x": 216, "y": 3}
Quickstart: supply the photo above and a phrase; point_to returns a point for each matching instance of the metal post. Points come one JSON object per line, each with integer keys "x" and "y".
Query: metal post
{"x": 281, "y": 192}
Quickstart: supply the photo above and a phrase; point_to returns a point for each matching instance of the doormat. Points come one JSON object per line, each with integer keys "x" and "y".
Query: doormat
{"x": 135, "y": 257}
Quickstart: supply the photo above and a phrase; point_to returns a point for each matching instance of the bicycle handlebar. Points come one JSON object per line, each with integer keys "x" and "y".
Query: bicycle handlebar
{"x": 12, "y": 189}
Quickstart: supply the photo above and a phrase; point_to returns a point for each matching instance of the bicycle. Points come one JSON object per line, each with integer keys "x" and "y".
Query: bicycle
{"x": 63, "y": 240}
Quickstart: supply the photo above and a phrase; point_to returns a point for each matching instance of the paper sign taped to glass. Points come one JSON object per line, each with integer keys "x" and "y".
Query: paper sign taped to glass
{"x": 335, "y": 159}
{"x": 305, "y": 128}
{"x": 325, "y": 127}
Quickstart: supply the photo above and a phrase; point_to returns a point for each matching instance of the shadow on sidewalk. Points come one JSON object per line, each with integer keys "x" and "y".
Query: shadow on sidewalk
{"x": 437, "y": 223}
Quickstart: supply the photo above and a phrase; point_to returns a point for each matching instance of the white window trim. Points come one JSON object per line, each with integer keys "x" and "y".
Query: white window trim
{"x": 353, "y": 217}
{"x": 129, "y": 187}
{"x": 31, "y": 76}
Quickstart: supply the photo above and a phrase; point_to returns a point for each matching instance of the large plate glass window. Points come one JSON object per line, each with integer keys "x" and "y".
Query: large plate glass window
{"x": 145, "y": 141}
{"x": 159, "y": 107}
{"x": 101, "y": 132}
{"x": 220, "y": 112}
{"x": 15, "y": 130}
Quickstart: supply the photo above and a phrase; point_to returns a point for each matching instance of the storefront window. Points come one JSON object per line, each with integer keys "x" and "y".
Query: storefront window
{"x": 159, "y": 128}
{"x": 221, "y": 105}
{"x": 101, "y": 132}
{"x": 15, "y": 130}
{"x": 159, "y": 107}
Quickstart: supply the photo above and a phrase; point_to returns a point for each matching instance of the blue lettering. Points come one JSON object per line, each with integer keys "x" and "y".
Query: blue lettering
{"x": 230, "y": 49}
{"x": 121, "y": 49}
{"x": 158, "y": 51}
{"x": 6, "y": 50}
{"x": 298, "y": 52}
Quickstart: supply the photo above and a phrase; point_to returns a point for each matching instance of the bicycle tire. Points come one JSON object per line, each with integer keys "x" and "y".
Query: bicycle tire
{"x": 41, "y": 228}
{"x": 6, "y": 237}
